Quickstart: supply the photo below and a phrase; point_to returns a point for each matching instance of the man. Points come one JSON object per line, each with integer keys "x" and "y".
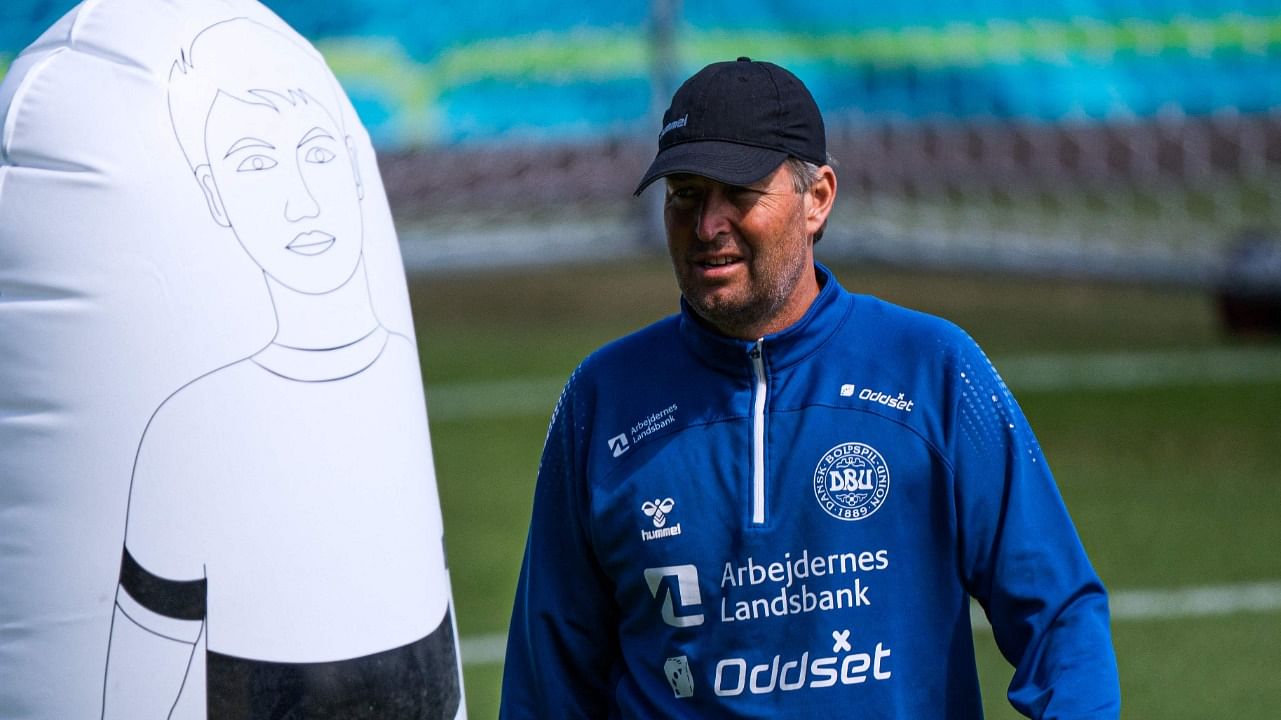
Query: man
{"x": 283, "y": 551}
{"x": 779, "y": 502}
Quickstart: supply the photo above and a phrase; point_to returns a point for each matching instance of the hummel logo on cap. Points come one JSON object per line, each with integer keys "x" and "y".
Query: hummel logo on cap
{"x": 735, "y": 122}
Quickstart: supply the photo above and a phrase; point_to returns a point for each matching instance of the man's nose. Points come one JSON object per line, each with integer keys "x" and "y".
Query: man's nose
{"x": 713, "y": 215}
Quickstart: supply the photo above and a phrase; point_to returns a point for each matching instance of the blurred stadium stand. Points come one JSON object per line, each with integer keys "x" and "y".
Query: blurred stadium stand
{"x": 1132, "y": 139}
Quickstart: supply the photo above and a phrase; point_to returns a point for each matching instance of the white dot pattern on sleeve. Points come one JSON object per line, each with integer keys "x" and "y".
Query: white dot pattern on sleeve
{"x": 989, "y": 415}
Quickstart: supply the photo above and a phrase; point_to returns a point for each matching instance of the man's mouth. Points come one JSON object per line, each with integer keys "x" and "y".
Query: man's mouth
{"x": 719, "y": 262}
{"x": 313, "y": 242}
{"x": 713, "y": 266}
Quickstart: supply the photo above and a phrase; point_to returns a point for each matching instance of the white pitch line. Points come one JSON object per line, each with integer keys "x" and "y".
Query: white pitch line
{"x": 484, "y": 649}
{"x": 1094, "y": 371}
{"x": 497, "y": 398}
{"x": 1127, "y": 606}
{"x": 1176, "y": 603}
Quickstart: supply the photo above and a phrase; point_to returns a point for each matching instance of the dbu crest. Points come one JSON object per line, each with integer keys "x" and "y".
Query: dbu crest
{"x": 851, "y": 481}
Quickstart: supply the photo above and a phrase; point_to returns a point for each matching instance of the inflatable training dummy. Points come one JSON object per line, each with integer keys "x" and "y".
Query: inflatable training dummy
{"x": 217, "y": 496}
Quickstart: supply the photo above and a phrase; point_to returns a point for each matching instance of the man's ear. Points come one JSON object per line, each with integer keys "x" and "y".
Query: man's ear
{"x": 819, "y": 200}
{"x": 355, "y": 167}
{"x": 204, "y": 176}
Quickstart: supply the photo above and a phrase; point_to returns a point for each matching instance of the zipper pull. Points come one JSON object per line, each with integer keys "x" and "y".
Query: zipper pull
{"x": 755, "y": 352}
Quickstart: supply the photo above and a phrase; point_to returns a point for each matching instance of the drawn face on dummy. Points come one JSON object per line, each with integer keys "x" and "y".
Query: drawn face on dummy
{"x": 269, "y": 153}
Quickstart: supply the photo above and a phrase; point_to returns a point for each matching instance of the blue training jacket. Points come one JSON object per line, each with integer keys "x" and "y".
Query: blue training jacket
{"x": 793, "y": 527}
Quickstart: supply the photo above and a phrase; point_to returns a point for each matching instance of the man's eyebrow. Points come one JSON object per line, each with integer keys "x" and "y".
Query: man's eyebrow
{"x": 247, "y": 142}
{"x": 315, "y": 133}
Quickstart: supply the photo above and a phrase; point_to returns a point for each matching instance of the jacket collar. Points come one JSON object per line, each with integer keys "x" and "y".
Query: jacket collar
{"x": 782, "y": 349}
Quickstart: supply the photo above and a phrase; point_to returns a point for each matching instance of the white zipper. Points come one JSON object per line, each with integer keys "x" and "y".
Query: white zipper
{"x": 757, "y": 354}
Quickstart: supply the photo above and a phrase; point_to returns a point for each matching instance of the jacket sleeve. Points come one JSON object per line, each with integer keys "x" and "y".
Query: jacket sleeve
{"x": 1022, "y": 558}
{"x": 562, "y": 648}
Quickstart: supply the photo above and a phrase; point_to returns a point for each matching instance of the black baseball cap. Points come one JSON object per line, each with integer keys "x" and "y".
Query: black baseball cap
{"x": 735, "y": 122}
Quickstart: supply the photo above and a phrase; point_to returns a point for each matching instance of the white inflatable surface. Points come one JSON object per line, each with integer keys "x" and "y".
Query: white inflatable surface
{"x": 216, "y": 486}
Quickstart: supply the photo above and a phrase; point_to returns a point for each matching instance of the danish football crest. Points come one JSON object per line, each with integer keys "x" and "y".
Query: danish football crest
{"x": 851, "y": 481}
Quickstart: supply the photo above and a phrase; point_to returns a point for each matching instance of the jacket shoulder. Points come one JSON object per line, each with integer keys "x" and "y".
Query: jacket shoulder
{"x": 910, "y": 333}
{"x": 635, "y": 351}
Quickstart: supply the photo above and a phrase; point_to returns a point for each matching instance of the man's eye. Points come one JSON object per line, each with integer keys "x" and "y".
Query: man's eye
{"x": 685, "y": 196}
{"x": 319, "y": 155}
{"x": 256, "y": 163}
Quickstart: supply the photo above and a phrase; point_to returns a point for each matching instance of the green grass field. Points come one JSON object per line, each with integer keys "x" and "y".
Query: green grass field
{"x": 1174, "y": 479}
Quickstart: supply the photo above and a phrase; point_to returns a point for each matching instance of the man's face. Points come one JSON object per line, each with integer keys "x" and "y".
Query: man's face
{"x": 742, "y": 255}
{"x": 285, "y": 180}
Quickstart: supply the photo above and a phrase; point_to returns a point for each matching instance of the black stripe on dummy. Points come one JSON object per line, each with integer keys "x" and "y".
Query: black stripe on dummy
{"x": 181, "y": 599}
{"x": 418, "y": 681}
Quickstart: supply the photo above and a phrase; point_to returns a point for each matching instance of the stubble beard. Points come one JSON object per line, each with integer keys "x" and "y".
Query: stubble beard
{"x": 770, "y": 287}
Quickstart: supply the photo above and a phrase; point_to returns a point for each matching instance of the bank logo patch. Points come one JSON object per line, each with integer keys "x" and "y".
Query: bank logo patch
{"x": 619, "y": 444}
{"x": 678, "y": 586}
{"x": 647, "y": 426}
{"x": 851, "y": 481}
{"x": 679, "y": 676}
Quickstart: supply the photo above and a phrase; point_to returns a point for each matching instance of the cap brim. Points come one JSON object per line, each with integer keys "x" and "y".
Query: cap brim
{"x": 727, "y": 162}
